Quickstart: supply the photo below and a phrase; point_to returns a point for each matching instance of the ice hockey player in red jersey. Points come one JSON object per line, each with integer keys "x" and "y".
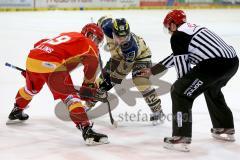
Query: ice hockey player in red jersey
{"x": 50, "y": 62}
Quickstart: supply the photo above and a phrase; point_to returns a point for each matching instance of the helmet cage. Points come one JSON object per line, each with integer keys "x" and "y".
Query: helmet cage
{"x": 93, "y": 32}
{"x": 119, "y": 40}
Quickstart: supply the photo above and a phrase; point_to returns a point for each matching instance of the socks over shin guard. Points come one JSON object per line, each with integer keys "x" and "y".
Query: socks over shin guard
{"x": 152, "y": 100}
{"x": 22, "y": 98}
{"x": 78, "y": 114}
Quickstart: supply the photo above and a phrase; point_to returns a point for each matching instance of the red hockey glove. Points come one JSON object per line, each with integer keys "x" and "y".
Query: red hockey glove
{"x": 23, "y": 73}
{"x": 88, "y": 91}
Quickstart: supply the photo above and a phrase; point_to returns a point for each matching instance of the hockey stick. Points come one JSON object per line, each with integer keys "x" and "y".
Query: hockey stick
{"x": 113, "y": 122}
{"x": 109, "y": 107}
{"x": 87, "y": 94}
{"x": 14, "y": 67}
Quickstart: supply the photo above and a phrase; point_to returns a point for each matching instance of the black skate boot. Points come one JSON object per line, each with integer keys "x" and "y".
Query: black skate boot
{"x": 177, "y": 143}
{"x": 92, "y": 138}
{"x": 157, "y": 117}
{"x": 226, "y": 134}
{"x": 17, "y": 115}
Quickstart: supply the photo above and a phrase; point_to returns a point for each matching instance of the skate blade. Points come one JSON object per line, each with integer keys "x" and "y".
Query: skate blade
{"x": 177, "y": 147}
{"x": 16, "y": 121}
{"x": 224, "y": 137}
{"x": 91, "y": 142}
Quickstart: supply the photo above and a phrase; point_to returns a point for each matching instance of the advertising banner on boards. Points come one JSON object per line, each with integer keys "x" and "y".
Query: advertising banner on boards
{"x": 16, "y": 3}
{"x": 86, "y": 3}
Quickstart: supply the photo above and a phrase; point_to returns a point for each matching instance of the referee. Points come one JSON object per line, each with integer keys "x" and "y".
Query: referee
{"x": 204, "y": 64}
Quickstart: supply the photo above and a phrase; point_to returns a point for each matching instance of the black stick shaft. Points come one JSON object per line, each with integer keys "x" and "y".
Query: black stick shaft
{"x": 14, "y": 67}
{"x": 109, "y": 107}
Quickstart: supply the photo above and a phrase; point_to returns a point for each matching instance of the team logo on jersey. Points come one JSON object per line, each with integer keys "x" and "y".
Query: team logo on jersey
{"x": 49, "y": 65}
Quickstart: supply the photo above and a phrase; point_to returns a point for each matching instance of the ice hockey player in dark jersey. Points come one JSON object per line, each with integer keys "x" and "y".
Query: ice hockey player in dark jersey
{"x": 129, "y": 53}
{"x": 204, "y": 64}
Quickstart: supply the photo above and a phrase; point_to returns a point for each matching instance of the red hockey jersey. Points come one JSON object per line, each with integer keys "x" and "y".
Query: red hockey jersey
{"x": 64, "y": 53}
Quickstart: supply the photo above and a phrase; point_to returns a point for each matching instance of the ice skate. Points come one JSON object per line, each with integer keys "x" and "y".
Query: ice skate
{"x": 226, "y": 134}
{"x": 157, "y": 118}
{"x": 91, "y": 137}
{"x": 16, "y": 116}
{"x": 177, "y": 143}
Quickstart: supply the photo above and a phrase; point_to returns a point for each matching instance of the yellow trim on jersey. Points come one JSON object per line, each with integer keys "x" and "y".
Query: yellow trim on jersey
{"x": 39, "y": 66}
{"x": 96, "y": 55}
{"x": 74, "y": 106}
{"x": 24, "y": 94}
{"x": 77, "y": 58}
{"x": 91, "y": 48}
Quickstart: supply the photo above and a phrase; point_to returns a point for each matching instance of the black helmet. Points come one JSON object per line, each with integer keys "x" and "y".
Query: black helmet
{"x": 121, "y": 27}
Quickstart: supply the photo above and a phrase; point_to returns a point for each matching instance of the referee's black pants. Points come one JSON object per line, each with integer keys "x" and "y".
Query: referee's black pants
{"x": 207, "y": 77}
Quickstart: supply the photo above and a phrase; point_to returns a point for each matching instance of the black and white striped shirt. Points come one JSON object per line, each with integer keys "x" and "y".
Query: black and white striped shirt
{"x": 192, "y": 44}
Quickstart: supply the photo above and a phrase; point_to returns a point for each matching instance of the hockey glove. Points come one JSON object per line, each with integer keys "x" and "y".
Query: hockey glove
{"x": 115, "y": 80}
{"x": 23, "y": 73}
{"x": 88, "y": 91}
{"x": 145, "y": 72}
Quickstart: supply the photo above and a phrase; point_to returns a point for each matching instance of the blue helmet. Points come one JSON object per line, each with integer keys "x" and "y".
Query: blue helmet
{"x": 102, "y": 20}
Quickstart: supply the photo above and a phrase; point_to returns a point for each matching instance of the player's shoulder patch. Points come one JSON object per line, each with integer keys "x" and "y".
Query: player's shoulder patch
{"x": 138, "y": 39}
{"x": 136, "y": 36}
{"x": 189, "y": 28}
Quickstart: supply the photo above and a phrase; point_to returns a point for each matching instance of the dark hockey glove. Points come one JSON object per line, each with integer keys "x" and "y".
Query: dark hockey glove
{"x": 105, "y": 84}
{"x": 115, "y": 81}
{"x": 88, "y": 91}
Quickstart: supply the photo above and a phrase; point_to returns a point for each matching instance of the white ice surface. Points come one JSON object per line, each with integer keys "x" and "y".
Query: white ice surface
{"x": 44, "y": 136}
